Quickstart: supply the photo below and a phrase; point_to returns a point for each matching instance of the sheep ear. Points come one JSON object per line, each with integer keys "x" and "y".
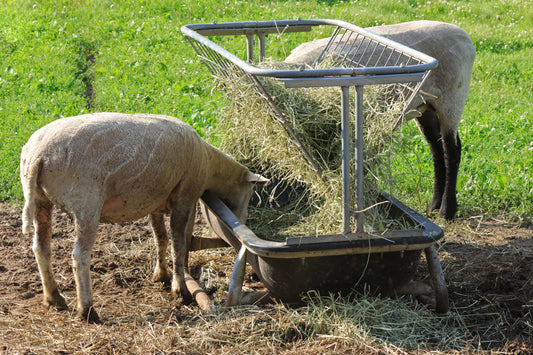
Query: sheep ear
{"x": 255, "y": 178}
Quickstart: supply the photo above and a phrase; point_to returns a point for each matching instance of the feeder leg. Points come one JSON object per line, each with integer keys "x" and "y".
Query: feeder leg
{"x": 250, "y": 47}
{"x": 237, "y": 279}
{"x": 262, "y": 49}
{"x": 442, "y": 302}
{"x": 359, "y": 159}
{"x": 345, "y": 136}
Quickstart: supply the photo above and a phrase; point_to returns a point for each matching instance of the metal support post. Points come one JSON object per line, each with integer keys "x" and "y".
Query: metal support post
{"x": 262, "y": 47}
{"x": 237, "y": 279}
{"x": 250, "y": 48}
{"x": 345, "y": 137}
{"x": 442, "y": 302}
{"x": 359, "y": 191}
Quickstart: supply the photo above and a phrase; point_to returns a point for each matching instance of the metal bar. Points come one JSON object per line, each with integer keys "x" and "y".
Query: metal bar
{"x": 347, "y": 38}
{"x": 196, "y": 48}
{"x": 226, "y": 225}
{"x": 364, "y": 51}
{"x": 359, "y": 191}
{"x": 345, "y": 137}
{"x": 342, "y": 43}
{"x": 442, "y": 302}
{"x": 414, "y": 92}
{"x": 349, "y": 56}
{"x": 384, "y": 48}
{"x": 429, "y": 63}
{"x": 392, "y": 51}
{"x": 250, "y": 48}
{"x": 262, "y": 47}
{"x": 212, "y": 60}
{"x": 201, "y": 243}
{"x": 395, "y": 236}
{"x": 237, "y": 279}
{"x": 253, "y": 31}
{"x": 279, "y": 26}
{"x": 341, "y": 244}
{"x": 326, "y": 48}
{"x": 351, "y": 80}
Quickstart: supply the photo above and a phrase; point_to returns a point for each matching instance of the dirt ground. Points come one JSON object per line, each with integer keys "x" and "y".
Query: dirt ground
{"x": 488, "y": 265}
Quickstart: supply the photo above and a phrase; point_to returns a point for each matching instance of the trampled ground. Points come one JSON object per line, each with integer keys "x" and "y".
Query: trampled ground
{"x": 488, "y": 266}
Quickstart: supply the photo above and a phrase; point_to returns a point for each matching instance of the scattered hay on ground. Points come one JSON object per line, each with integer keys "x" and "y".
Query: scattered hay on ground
{"x": 486, "y": 263}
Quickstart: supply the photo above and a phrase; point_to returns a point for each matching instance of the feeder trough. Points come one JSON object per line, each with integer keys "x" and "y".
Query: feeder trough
{"x": 385, "y": 260}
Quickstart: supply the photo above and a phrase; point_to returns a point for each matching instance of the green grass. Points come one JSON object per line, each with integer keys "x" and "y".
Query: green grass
{"x": 134, "y": 56}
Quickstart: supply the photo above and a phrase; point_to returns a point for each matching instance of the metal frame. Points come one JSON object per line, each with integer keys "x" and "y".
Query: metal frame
{"x": 393, "y": 63}
{"x": 326, "y": 245}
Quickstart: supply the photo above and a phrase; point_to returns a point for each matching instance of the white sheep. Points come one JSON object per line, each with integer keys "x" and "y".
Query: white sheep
{"x": 441, "y": 110}
{"x": 111, "y": 167}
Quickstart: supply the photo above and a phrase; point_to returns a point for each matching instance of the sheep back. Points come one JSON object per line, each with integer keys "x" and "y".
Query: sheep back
{"x": 127, "y": 165}
{"x": 447, "y": 85}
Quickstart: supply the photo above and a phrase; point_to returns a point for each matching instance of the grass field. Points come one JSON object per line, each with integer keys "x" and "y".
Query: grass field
{"x": 62, "y": 58}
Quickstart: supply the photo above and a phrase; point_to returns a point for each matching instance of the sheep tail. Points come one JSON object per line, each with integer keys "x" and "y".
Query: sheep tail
{"x": 29, "y": 172}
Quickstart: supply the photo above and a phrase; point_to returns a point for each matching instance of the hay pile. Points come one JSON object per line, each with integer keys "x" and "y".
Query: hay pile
{"x": 300, "y": 151}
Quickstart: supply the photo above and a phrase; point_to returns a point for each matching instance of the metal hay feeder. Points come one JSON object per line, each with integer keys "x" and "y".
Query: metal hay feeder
{"x": 332, "y": 262}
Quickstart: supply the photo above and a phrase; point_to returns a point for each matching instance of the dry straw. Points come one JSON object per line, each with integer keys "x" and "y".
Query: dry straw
{"x": 296, "y": 142}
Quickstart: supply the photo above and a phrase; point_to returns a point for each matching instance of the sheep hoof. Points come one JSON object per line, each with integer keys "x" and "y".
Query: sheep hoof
{"x": 447, "y": 214}
{"x": 56, "y": 300}
{"x": 183, "y": 298}
{"x": 89, "y": 316}
{"x": 162, "y": 276}
{"x": 434, "y": 205}
{"x": 448, "y": 210}
{"x": 186, "y": 299}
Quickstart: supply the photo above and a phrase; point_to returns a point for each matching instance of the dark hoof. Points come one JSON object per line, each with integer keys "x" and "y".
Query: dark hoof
{"x": 90, "y": 316}
{"x": 184, "y": 299}
{"x": 434, "y": 205}
{"x": 187, "y": 299}
{"x": 447, "y": 214}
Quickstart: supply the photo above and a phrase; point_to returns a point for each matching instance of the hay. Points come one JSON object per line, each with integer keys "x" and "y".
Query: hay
{"x": 300, "y": 150}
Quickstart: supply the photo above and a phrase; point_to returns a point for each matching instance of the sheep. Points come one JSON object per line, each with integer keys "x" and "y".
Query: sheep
{"x": 112, "y": 167}
{"x": 440, "y": 111}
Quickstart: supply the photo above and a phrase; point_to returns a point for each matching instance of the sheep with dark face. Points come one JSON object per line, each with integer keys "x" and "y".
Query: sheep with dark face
{"x": 447, "y": 85}
{"x": 111, "y": 167}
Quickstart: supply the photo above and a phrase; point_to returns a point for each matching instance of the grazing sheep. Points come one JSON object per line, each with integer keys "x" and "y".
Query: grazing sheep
{"x": 111, "y": 167}
{"x": 441, "y": 110}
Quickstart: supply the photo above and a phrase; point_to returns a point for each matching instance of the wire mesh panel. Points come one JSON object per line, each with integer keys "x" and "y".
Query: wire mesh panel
{"x": 352, "y": 57}
{"x": 348, "y": 49}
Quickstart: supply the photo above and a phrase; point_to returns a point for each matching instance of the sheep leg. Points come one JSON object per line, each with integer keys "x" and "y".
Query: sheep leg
{"x": 179, "y": 226}
{"x": 161, "y": 273}
{"x": 86, "y": 230}
{"x": 452, "y": 159}
{"x": 429, "y": 125}
{"x": 42, "y": 250}
{"x": 188, "y": 236}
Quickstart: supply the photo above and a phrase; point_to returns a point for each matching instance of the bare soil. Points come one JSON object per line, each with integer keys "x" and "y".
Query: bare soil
{"x": 488, "y": 266}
